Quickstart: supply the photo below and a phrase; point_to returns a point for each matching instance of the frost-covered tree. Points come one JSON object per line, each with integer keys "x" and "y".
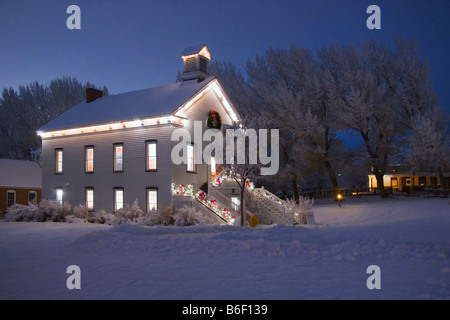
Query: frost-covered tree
{"x": 23, "y": 111}
{"x": 362, "y": 102}
{"x": 378, "y": 91}
{"x": 408, "y": 78}
{"x": 290, "y": 87}
{"x": 237, "y": 89}
{"x": 430, "y": 147}
{"x": 244, "y": 151}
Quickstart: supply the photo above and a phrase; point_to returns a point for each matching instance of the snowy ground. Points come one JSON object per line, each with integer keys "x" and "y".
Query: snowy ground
{"x": 409, "y": 239}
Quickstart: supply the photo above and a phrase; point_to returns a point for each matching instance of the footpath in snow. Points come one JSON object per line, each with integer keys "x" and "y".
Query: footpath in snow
{"x": 409, "y": 239}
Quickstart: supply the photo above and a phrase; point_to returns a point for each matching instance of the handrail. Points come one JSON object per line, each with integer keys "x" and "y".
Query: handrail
{"x": 215, "y": 206}
{"x": 224, "y": 200}
{"x": 283, "y": 210}
{"x": 288, "y": 213}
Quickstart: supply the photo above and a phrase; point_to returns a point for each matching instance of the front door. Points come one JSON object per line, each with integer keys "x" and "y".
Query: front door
{"x": 394, "y": 182}
{"x": 406, "y": 182}
{"x": 213, "y": 168}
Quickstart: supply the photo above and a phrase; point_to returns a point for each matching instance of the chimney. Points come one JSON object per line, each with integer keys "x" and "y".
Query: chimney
{"x": 92, "y": 94}
{"x": 196, "y": 63}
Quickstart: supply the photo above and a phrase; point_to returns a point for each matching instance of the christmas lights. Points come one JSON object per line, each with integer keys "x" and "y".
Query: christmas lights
{"x": 213, "y": 205}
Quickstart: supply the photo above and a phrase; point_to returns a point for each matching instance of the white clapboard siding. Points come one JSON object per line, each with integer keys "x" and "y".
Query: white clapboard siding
{"x": 134, "y": 178}
{"x": 199, "y": 112}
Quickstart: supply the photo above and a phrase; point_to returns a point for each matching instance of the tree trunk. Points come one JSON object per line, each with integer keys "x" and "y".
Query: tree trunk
{"x": 444, "y": 184}
{"x": 332, "y": 175}
{"x": 380, "y": 182}
{"x": 295, "y": 190}
{"x": 242, "y": 205}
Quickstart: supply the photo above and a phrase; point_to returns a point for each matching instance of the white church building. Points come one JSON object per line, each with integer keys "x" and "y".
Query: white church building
{"x": 108, "y": 151}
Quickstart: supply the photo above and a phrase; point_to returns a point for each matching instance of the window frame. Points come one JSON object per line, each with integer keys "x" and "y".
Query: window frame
{"x": 62, "y": 194}
{"x": 86, "y": 159}
{"x": 86, "y": 191}
{"x": 115, "y": 146}
{"x": 212, "y": 165}
{"x": 116, "y": 189}
{"x": 148, "y": 205}
{"x": 35, "y": 196}
{"x": 8, "y": 192}
{"x": 58, "y": 162}
{"x": 394, "y": 182}
{"x": 194, "y": 166}
{"x": 422, "y": 181}
{"x": 147, "y": 155}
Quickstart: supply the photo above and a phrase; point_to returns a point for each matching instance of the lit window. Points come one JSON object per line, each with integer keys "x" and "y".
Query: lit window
{"x": 10, "y": 198}
{"x": 59, "y": 195}
{"x": 394, "y": 182}
{"x": 90, "y": 198}
{"x": 118, "y": 199}
{"x": 89, "y": 159}
{"x": 152, "y": 199}
{"x": 151, "y": 155}
{"x": 32, "y": 197}
{"x": 422, "y": 181}
{"x": 235, "y": 203}
{"x": 59, "y": 160}
{"x": 190, "y": 166}
{"x": 213, "y": 165}
{"x": 118, "y": 157}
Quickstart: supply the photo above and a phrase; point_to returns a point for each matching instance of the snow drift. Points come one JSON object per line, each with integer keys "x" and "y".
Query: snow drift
{"x": 408, "y": 239}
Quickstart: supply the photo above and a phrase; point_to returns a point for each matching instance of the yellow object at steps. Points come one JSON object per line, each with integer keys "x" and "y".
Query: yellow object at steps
{"x": 253, "y": 220}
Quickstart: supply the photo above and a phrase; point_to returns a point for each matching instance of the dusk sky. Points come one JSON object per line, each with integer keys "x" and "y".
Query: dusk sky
{"x": 131, "y": 45}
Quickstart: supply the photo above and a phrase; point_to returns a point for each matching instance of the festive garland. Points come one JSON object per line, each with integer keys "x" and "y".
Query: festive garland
{"x": 214, "y": 120}
{"x": 188, "y": 190}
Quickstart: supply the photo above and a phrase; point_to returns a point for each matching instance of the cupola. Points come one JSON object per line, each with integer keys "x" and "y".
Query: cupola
{"x": 196, "y": 63}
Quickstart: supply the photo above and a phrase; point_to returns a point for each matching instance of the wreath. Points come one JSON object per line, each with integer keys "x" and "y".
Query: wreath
{"x": 214, "y": 120}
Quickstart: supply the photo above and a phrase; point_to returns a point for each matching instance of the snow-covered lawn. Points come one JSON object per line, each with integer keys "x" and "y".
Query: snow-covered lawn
{"x": 409, "y": 239}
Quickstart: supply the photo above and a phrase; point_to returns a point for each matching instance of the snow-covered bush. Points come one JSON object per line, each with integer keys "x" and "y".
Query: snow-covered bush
{"x": 70, "y": 218}
{"x": 102, "y": 217}
{"x": 47, "y": 210}
{"x": 82, "y": 214}
{"x": 305, "y": 204}
{"x": 161, "y": 216}
{"x": 303, "y": 208}
{"x": 81, "y": 211}
{"x": 128, "y": 214}
{"x": 149, "y": 219}
{"x": 187, "y": 216}
{"x": 53, "y": 210}
{"x": 166, "y": 216}
{"x": 20, "y": 212}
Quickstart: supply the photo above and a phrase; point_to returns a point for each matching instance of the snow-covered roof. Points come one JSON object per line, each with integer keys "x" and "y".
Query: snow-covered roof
{"x": 134, "y": 105}
{"x": 193, "y": 50}
{"x": 20, "y": 174}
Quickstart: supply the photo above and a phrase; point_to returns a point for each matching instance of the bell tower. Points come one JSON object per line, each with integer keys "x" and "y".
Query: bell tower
{"x": 196, "y": 63}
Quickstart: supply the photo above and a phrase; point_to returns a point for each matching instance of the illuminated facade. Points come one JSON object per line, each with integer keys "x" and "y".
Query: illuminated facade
{"x": 108, "y": 151}
{"x": 404, "y": 180}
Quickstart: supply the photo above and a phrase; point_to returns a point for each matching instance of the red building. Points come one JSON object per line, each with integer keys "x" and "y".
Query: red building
{"x": 20, "y": 182}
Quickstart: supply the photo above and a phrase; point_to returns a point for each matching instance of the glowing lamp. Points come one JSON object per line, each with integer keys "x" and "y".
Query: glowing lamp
{"x": 339, "y": 197}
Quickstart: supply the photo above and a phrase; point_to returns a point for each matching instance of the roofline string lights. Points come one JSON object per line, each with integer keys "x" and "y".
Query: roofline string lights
{"x": 175, "y": 118}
